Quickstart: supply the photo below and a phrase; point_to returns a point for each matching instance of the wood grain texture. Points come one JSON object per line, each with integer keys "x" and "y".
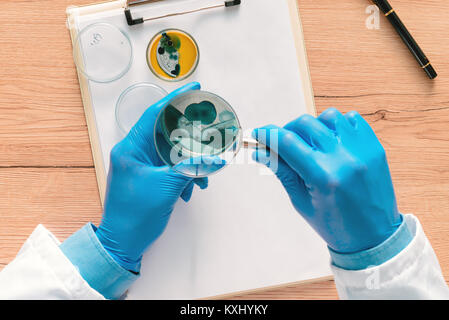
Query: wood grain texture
{"x": 46, "y": 169}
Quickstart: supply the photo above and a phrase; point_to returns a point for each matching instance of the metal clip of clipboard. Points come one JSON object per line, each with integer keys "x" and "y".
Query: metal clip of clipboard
{"x": 133, "y": 21}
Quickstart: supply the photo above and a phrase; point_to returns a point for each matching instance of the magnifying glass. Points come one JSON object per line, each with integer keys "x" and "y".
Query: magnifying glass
{"x": 198, "y": 133}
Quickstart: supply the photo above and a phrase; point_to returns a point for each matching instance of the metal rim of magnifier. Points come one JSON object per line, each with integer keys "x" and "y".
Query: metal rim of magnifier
{"x": 236, "y": 145}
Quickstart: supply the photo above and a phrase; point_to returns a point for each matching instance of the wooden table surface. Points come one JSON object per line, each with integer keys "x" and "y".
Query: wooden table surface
{"x": 46, "y": 168}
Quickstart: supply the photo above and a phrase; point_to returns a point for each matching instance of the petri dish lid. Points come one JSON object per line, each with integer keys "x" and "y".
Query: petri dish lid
{"x": 134, "y": 101}
{"x": 102, "y": 52}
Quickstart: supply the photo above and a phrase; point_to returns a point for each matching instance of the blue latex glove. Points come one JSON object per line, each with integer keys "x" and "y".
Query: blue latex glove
{"x": 141, "y": 192}
{"x": 336, "y": 174}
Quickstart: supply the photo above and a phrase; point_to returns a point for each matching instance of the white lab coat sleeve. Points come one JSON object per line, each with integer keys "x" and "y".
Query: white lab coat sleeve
{"x": 414, "y": 273}
{"x": 42, "y": 271}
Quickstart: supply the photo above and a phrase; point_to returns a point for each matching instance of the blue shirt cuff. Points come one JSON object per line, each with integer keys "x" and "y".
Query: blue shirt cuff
{"x": 95, "y": 265}
{"x": 376, "y": 256}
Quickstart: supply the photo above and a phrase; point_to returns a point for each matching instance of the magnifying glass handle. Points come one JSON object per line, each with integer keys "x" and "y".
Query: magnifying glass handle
{"x": 249, "y": 143}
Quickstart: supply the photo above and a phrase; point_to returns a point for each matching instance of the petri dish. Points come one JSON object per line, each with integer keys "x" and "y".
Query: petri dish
{"x": 173, "y": 55}
{"x": 134, "y": 101}
{"x": 102, "y": 52}
{"x": 197, "y": 134}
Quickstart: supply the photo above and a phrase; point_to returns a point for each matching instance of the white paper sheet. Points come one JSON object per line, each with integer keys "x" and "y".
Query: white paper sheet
{"x": 242, "y": 233}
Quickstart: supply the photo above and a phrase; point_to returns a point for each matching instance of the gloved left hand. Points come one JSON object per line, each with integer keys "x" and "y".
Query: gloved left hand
{"x": 141, "y": 192}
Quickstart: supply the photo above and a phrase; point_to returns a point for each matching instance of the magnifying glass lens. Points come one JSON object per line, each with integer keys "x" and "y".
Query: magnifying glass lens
{"x": 197, "y": 134}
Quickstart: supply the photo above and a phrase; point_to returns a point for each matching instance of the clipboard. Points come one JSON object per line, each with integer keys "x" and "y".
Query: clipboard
{"x": 191, "y": 234}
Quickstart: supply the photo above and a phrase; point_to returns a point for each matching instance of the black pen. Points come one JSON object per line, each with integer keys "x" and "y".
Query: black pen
{"x": 414, "y": 48}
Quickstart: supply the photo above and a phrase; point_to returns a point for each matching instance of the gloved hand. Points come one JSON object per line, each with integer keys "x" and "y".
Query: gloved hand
{"x": 141, "y": 191}
{"x": 336, "y": 174}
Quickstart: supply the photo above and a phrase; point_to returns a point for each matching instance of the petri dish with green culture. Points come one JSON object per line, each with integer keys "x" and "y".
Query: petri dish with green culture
{"x": 197, "y": 133}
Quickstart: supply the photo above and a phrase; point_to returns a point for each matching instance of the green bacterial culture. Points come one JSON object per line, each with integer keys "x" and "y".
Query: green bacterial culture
{"x": 168, "y": 55}
{"x": 198, "y": 123}
{"x": 201, "y": 132}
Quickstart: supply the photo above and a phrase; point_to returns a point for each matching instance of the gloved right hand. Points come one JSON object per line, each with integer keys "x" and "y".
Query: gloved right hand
{"x": 336, "y": 174}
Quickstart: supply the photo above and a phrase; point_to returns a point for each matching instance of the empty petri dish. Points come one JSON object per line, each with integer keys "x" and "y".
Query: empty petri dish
{"x": 102, "y": 52}
{"x": 197, "y": 134}
{"x": 173, "y": 55}
{"x": 134, "y": 101}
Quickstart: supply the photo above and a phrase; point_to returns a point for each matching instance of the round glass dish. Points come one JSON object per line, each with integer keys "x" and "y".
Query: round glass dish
{"x": 173, "y": 55}
{"x": 197, "y": 134}
{"x": 102, "y": 52}
{"x": 134, "y": 101}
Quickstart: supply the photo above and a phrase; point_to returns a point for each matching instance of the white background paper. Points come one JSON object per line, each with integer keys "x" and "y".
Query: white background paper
{"x": 242, "y": 232}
